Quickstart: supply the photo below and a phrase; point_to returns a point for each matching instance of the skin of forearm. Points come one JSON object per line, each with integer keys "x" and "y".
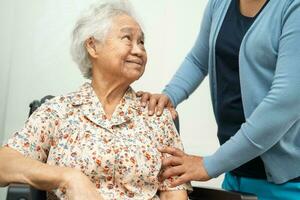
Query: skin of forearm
{"x": 173, "y": 195}
{"x": 16, "y": 168}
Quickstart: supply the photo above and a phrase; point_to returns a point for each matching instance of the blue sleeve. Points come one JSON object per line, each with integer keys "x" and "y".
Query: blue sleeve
{"x": 278, "y": 111}
{"x": 194, "y": 67}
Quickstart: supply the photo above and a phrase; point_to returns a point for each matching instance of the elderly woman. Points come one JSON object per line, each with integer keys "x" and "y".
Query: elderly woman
{"x": 97, "y": 142}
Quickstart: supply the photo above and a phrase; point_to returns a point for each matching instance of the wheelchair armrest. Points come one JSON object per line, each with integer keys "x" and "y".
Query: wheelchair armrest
{"x": 26, "y": 192}
{"x": 205, "y": 193}
{"x": 18, "y": 191}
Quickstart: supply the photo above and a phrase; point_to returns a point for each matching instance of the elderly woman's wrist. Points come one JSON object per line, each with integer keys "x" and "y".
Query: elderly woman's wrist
{"x": 66, "y": 177}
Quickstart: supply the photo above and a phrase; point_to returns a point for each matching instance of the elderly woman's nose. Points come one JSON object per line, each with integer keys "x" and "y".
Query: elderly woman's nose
{"x": 137, "y": 49}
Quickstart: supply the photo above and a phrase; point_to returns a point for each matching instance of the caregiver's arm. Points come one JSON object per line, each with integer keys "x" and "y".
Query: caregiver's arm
{"x": 195, "y": 65}
{"x": 190, "y": 74}
{"x": 278, "y": 111}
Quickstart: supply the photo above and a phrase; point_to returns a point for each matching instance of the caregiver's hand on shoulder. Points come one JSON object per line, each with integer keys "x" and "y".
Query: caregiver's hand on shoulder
{"x": 79, "y": 187}
{"x": 156, "y": 103}
{"x": 186, "y": 167}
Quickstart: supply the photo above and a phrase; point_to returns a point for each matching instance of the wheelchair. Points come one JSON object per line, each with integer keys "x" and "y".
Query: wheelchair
{"x": 27, "y": 192}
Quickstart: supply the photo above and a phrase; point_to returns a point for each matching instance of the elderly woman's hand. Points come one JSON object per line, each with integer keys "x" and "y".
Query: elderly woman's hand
{"x": 156, "y": 103}
{"x": 186, "y": 167}
{"x": 78, "y": 186}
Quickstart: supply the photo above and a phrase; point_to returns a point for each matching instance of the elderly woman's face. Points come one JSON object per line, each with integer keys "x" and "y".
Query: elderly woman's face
{"x": 122, "y": 55}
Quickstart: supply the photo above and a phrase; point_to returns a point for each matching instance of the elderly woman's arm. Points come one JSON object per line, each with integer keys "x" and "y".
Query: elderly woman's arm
{"x": 169, "y": 137}
{"x": 16, "y": 168}
{"x": 23, "y": 158}
{"x": 173, "y": 195}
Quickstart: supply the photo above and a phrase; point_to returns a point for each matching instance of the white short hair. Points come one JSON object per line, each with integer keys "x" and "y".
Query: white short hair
{"x": 95, "y": 22}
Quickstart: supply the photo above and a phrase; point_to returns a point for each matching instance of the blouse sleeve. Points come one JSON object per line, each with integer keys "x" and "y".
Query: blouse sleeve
{"x": 36, "y": 137}
{"x": 170, "y": 138}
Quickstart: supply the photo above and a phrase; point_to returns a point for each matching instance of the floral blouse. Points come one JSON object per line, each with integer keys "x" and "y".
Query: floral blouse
{"x": 119, "y": 155}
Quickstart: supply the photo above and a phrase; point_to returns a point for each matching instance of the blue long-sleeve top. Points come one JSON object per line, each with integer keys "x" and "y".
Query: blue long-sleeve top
{"x": 269, "y": 60}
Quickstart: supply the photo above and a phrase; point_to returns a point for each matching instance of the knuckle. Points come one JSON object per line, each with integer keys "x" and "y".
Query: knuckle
{"x": 173, "y": 161}
{"x": 172, "y": 171}
{"x": 160, "y": 109}
{"x": 180, "y": 180}
{"x": 169, "y": 149}
{"x": 144, "y": 97}
{"x": 152, "y": 99}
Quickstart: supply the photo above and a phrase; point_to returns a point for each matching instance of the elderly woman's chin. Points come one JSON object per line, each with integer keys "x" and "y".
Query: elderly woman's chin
{"x": 134, "y": 71}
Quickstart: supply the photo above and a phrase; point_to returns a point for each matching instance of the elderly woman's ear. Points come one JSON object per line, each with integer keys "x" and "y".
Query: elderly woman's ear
{"x": 91, "y": 47}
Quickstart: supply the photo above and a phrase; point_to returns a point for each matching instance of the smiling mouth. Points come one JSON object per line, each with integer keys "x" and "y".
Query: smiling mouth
{"x": 135, "y": 62}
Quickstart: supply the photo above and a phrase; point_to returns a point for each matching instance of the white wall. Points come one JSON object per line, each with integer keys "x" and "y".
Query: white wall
{"x": 35, "y": 60}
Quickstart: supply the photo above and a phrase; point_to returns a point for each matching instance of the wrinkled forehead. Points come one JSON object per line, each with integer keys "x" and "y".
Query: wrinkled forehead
{"x": 126, "y": 24}
{"x": 132, "y": 31}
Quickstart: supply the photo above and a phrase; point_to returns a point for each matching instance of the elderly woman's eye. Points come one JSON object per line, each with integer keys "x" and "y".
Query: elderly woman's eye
{"x": 126, "y": 37}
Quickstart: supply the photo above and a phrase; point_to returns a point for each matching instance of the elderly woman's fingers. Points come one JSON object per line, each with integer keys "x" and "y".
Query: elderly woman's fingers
{"x": 145, "y": 98}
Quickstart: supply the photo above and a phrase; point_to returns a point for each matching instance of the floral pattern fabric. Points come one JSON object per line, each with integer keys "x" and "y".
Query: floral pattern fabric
{"x": 119, "y": 154}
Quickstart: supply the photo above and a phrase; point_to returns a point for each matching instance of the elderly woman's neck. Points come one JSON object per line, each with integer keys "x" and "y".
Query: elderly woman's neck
{"x": 109, "y": 94}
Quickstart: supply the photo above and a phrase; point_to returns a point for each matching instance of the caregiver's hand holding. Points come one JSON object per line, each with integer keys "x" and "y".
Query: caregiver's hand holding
{"x": 186, "y": 167}
{"x": 156, "y": 103}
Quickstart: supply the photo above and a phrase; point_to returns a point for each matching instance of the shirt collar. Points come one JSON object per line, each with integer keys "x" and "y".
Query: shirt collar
{"x": 93, "y": 109}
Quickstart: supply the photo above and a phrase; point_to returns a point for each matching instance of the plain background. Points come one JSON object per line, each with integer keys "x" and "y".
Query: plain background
{"x": 35, "y": 61}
